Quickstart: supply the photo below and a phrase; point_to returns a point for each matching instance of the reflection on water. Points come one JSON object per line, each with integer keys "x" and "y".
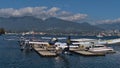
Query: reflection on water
{"x": 64, "y": 60}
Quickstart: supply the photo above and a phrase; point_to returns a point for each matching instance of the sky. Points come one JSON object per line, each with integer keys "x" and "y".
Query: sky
{"x": 95, "y": 11}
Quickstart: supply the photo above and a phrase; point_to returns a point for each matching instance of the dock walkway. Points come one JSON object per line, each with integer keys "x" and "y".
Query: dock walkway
{"x": 44, "y": 52}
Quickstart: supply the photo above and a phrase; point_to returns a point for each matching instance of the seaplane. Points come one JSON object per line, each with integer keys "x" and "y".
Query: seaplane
{"x": 92, "y": 45}
{"x": 59, "y": 46}
{"x": 65, "y": 47}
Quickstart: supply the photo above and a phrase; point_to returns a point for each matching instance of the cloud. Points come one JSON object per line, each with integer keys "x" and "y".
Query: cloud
{"x": 74, "y": 17}
{"x": 53, "y": 11}
{"x": 42, "y": 12}
{"x": 108, "y": 21}
{"x": 6, "y": 12}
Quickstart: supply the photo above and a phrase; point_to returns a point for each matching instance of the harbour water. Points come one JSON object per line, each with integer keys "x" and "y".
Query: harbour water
{"x": 12, "y": 57}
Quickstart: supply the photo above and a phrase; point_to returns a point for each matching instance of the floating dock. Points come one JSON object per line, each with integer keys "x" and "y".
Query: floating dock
{"x": 44, "y": 52}
{"x": 86, "y": 53}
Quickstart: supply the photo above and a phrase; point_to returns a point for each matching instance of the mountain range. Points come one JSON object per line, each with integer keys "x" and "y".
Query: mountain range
{"x": 28, "y": 23}
{"x": 110, "y": 26}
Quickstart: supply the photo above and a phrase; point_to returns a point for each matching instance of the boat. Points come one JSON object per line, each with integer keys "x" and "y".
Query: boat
{"x": 113, "y": 41}
{"x": 101, "y": 49}
{"x": 110, "y": 41}
{"x": 99, "y": 36}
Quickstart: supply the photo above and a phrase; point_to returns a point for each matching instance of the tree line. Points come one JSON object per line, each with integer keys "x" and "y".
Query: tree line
{"x": 2, "y": 31}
